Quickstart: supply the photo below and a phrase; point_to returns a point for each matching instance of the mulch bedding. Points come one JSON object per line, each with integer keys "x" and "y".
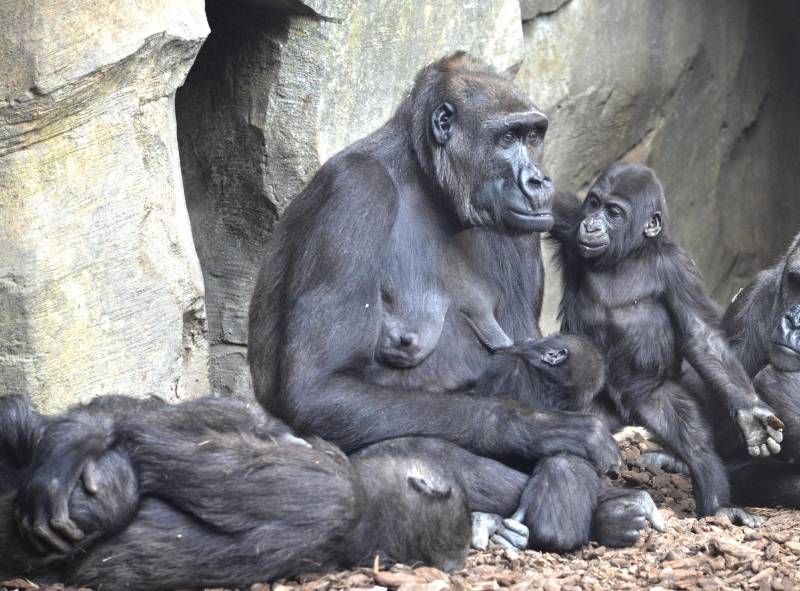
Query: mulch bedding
{"x": 693, "y": 553}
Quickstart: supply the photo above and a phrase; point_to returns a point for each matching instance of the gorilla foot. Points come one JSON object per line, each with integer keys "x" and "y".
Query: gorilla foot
{"x": 510, "y": 533}
{"x": 622, "y": 514}
{"x": 664, "y": 461}
{"x": 739, "y": 516}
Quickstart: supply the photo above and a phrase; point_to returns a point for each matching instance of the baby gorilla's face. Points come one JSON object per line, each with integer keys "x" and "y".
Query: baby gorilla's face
{"x": 411, "y": 327}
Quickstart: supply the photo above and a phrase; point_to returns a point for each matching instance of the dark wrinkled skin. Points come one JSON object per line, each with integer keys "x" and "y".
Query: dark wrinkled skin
{"x": 221, "y": 480}
{"x": 639, "y": 298}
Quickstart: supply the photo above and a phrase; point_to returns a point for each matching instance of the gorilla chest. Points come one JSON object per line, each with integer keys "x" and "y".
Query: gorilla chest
{"x": 629, "y": 322}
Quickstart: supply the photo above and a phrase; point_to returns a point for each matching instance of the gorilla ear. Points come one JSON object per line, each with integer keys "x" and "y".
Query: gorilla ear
{"x": 442, "y": 120}
{"x": 653, "y": 226}
{"x": 422, "y": 487}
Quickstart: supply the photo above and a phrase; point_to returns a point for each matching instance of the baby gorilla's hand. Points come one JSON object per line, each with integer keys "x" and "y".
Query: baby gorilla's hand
{"x": 762, "y": 430}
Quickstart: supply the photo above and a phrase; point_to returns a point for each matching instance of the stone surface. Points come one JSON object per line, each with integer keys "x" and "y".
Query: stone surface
{"x": 704, "y": 92}
{"x": 100, "y": 286}
{"x": 278, "y": 88}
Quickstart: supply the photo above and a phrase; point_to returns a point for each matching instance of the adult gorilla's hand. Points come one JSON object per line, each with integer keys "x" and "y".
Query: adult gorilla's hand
{"x": 622, "y": 514}
{"x": 761, "y": 429}
{"x": 578, "y": 434}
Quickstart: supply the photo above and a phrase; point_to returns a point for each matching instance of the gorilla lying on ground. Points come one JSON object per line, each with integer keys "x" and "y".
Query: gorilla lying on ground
{"x": 212, "y": 492}
{"x": 638, "y": 297}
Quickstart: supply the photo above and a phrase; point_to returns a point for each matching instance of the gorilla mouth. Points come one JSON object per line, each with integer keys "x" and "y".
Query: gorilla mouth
{"x": 593, "y": 246}
{"x": 786, "y": 348}
{"x": 539, "y": 221}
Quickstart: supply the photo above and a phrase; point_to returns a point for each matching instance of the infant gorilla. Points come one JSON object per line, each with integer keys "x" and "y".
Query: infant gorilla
{"x": 212, "y": 492}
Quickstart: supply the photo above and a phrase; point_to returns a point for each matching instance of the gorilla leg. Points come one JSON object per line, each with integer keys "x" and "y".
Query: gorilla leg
{"x": 677, "y": 420}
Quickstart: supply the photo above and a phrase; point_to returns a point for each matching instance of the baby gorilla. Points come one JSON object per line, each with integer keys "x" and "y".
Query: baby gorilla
{"x": 559, "y": 372}
{"x": 639, "y": 298}
{"x": 415, "y": 306}
{"x": 212, "y": 478}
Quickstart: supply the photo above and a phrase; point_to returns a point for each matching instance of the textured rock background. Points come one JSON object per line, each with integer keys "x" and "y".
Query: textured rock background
{"x": 100, "y": 286}
{"x": 705, "y": 92}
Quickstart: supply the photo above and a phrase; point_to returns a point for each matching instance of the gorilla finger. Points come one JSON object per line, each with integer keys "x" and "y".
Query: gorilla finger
{"x": 764, "y": 450}
{"x": 776, "y": 434}
{"x": 89, "y": 478}
{"x": 67, "y": 528}
{"x": 516, "y": 526}
{"x": 753, "y": 451}
{"x": 47, "y": 535}
{"x": 501, "y": 541}
{"x": 773, "y": 446}
{"x": 519, "y": 542}
{"x": 26, "y": 531}
{"x": 519, "y": 515}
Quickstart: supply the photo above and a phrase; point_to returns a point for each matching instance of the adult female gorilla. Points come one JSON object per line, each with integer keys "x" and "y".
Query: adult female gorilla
{"x": 463, "y": 150}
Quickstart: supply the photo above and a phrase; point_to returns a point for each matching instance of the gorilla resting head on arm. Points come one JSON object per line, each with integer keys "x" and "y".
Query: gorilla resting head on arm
{"x": 639, "y": 298}
{"x": 212, "y": 492}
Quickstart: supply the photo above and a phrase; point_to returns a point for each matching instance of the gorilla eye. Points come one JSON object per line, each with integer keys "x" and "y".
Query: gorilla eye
{"x": 615, "y": 212}
{"x": 508, "y": 138}
{"x": 532, "y": 137}
{"x": 593, "y": 201}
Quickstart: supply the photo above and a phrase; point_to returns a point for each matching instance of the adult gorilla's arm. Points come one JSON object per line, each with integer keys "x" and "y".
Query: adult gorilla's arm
{"x": 330, "y": 288}
{"x": 707, "y": 349}
{"x": 567, "y": 217}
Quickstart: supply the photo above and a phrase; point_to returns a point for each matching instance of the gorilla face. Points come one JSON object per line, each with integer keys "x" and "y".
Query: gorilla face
{"x": 784, "y": 349}
{"x": 487, "y": 145}
{"x": 516, "y": 192}
{"x": 622, "y": 211}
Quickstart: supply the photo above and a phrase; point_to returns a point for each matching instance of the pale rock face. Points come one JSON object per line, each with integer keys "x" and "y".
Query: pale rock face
{"x": 100, "y": 286}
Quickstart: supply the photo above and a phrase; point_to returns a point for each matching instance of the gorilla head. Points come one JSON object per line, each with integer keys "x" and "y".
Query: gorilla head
{"x": 624, "y": 211}
{"x": 481, "y": 141}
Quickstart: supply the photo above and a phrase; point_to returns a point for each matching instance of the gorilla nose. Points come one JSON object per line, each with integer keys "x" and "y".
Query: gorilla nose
{"x": 590, "y": 225}
{"x": 532, "y": 180}
{"x": 793, "y": 316}
{"x": 408, "y": 339}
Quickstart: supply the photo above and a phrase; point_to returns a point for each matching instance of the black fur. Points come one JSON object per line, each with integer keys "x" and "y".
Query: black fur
{"x": 754, "y": 313}
{"x": 463, "y": 152}
{"x": 214, "y": 492}
{"x": 639, "y": 298}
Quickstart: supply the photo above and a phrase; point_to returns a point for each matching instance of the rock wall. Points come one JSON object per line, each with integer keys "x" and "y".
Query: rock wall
{"x": 100, "y": 286}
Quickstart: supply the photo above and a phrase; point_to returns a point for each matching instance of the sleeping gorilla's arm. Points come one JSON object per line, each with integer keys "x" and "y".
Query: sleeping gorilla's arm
{"x": 707, "y": 350}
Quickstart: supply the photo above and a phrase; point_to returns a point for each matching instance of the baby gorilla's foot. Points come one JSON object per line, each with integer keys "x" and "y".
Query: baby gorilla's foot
{"x": 506, "y": 532}
{"x": 664, "y": 461}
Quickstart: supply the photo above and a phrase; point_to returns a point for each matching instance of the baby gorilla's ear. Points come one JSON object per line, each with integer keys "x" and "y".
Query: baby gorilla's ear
{"x": 653, "y": 226}
{"x": 435, "y": 492}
